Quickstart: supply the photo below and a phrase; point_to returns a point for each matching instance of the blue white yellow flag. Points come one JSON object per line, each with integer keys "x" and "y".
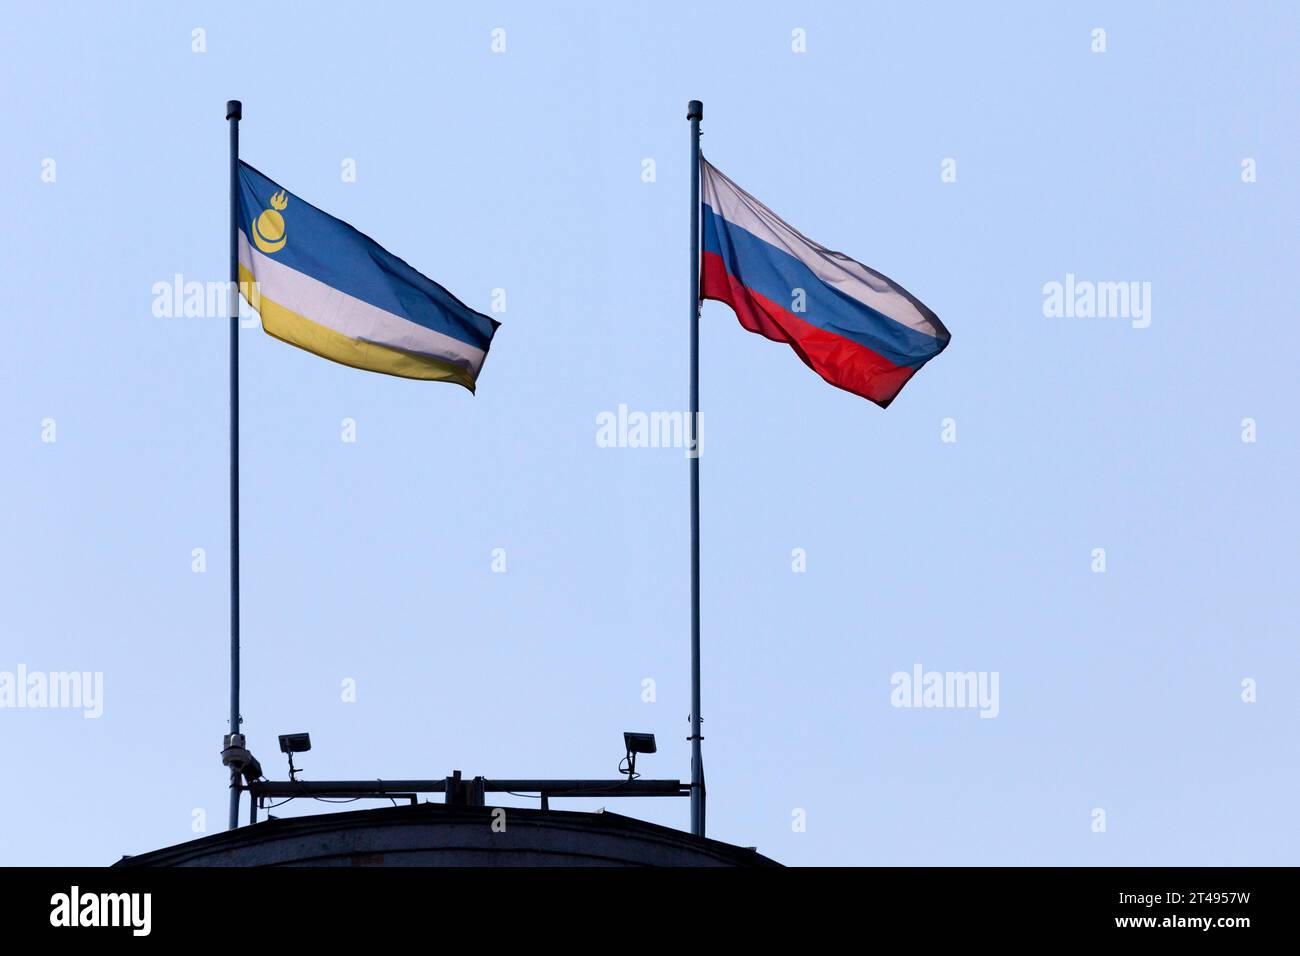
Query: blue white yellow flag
{"x": 321, "y": 285}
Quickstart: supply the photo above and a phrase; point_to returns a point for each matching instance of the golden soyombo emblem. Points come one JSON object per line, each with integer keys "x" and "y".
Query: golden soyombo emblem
{"x": 269, "y": 229}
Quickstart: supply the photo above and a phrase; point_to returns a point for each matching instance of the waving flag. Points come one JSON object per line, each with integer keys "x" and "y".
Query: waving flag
{"x": 854, "y": 327}
{"x": 323, "y": 286}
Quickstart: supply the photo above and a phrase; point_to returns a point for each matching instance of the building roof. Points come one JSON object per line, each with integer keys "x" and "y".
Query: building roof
{"x": 437, "y": 834}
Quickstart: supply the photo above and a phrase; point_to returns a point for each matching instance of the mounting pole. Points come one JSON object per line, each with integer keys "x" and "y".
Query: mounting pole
{"x": 234, "y": 112}
{"x": 695, "y": 113}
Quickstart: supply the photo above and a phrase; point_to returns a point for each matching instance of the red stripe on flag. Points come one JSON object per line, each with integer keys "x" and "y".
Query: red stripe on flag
{"x": 843, "y": 363}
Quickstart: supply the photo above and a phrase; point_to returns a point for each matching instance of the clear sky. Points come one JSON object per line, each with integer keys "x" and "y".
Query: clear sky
{"x": 525, "y": 170}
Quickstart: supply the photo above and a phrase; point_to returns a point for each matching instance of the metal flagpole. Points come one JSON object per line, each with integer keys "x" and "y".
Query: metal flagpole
{"x": 695, "y": 113}
{"x": 234, "y": 112}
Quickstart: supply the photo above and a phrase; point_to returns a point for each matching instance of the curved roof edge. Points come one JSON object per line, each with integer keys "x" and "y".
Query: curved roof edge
{"x": 436, "y": 834}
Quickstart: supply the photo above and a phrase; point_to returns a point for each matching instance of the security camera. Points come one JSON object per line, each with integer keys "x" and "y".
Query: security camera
{"x": 234, "y": 754}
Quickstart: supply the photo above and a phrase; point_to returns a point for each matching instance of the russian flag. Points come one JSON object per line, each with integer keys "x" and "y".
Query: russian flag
{"x": 856, "y": 328}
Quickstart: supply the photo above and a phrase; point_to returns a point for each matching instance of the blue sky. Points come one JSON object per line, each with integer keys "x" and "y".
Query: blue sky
{"x": 371, "y": 561}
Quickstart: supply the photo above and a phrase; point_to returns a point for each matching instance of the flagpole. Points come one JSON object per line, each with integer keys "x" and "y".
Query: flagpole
{"x": 695, "y": 113}
{"x": 234, "y": 113}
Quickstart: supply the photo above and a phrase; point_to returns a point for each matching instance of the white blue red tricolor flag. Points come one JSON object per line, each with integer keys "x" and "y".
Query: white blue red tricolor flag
{"x": 856, "y": 328}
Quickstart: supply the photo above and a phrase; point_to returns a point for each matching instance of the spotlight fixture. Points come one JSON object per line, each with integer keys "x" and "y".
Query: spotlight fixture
{"x": 639, "y": 743}
{"x": 294, "y": 744}
{"x": 636, "y": 744}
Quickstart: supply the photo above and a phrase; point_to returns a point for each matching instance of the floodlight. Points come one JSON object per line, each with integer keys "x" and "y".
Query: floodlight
{"x": 636, "y": 744}
{"x": 639, "y": 743}
{"x": 295, "y": 743}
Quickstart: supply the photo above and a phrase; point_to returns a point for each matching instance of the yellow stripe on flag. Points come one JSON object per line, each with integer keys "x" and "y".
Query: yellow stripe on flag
{"x": 290, "y": 327}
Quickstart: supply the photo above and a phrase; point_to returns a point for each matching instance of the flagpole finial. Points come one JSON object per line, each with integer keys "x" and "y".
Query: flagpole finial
{"x": 695, "y": 110}
{"x": 234, "y": 110}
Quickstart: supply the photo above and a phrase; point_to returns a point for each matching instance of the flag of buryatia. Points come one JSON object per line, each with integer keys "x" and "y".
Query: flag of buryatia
{"x": 321, "y": 285}
{"x": 856, "y": 328}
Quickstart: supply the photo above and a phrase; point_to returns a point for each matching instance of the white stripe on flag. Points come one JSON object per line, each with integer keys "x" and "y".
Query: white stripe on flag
{"x": 837, "y": 270}
{"x": 350, "y": 316}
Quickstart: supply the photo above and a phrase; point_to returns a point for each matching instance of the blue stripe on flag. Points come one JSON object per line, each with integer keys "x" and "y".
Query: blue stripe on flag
{"x": 774, "y": 274}
{"x": 335, "y": 253}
